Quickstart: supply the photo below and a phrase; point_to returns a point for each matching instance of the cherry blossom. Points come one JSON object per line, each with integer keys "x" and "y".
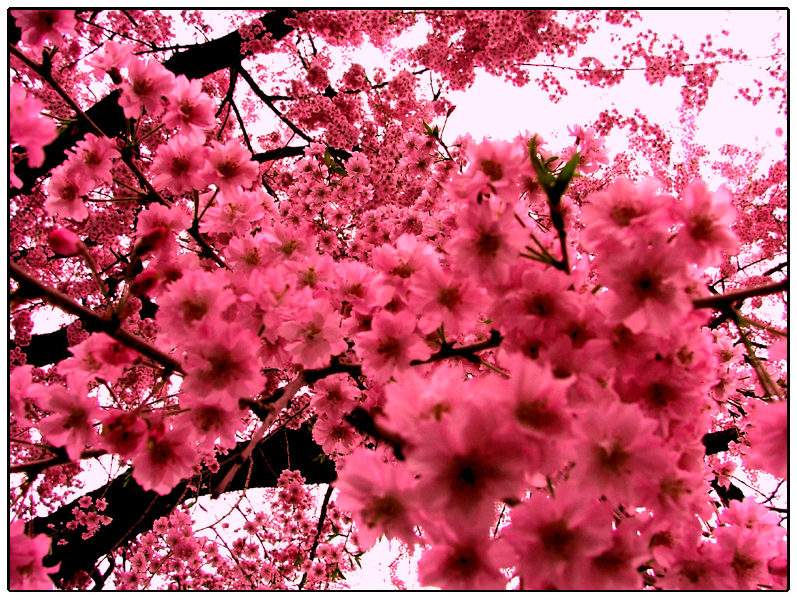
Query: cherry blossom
{"x": 25, "y": 560}
{"x": 528, "y": 365}
{"x": 39, "y": 26}
{"x": 26, "y": 125}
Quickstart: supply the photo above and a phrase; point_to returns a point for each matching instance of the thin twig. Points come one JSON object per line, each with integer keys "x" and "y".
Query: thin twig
{"x": 322, "y": 517}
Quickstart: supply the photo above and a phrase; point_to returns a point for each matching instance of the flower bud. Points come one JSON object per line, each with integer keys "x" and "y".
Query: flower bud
{"x": 151, "y": 241}
{"x": 146, "y": 281}
{"x": 65, "y": 243}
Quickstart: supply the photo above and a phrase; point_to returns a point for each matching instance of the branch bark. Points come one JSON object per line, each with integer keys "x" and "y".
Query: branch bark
{"x": 134, "y": 510}
{"x": 91, "y": 320}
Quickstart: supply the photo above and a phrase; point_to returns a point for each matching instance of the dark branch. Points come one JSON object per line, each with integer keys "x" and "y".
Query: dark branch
{"x": 91, "y": 320}
{"x": 134, "y": 510}
{"x": 196, "y": 62}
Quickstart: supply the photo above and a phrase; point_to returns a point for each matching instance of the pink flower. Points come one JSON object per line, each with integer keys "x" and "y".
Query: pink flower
{"x": 334, "y": 396}
{"x": 167, "y": 457}
{"x": 177, "y": 166}
{"x": 40, "y": 25}
{"x": 123, "y": 432}
{"x": 99, "y": 355}
{"x": 94, "y": 158}
{"x": 230, "y": 166}
{"x": 65, "y": 243}
{"x": 113, "y": 58}
{"x": 409, "y": 256}
{"x": 748, "y": 555}
{"x": 464, "y": 563}
{"x": 466, "y": 463}
{"x": 234, "y": 213}
{"x": 616, "y": 568}
{"x": 157, "y": 226}
{"x": 247, "y": 254}
{"x": 148, "y": 83}
{"x": 623, "y": 207}
{"x": 493, "y": 168}
{"x": 355, "y": 285}
{"x": 707, "y": 219}
{"x": 416, "y": 398}
{"x": 333, "y": 436}
{"x": 223, "y": 359}
{"x": 197, "y": 295}
{"x": 379, "y": 496}
{"x": 72, "y": 416}
{"x": 748, "y": 514}
{"x": 214, "y": 421}
{"x": 441, "y": 298}
{"x": 768, "y": 436}
{"x": 189, "y": 108}
{"x": 697, "y": 567}
{"x": 65, "y": 193}
{"x": 314, "y": 334}
{"x": 487, "y": 242}
{"x": 21, "y": 387}
{"x": 552, "y": 537}
{"x": 390, "y": 345}
{"x": 26, "y": 125}
{"x": 25, "y": 568}
{"x": 540, "y": 304}
{"x": 534, "y": 404}
{"x": 616, "y": 447}
{"x": 647, "y": 286}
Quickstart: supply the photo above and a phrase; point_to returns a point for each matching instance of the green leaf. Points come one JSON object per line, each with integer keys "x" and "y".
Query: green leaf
{"x": 565, "y": 177}
{"x": 127, "y": 475}
{"x": 328, "y": 160}
{"x": 543, "y": 173}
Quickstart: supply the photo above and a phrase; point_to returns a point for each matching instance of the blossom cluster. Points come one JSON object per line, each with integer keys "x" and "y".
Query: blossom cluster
{"x": 516, "y": 376}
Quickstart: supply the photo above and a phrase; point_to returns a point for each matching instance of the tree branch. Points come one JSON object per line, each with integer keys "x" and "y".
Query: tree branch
{"x": 723, "y": 301}
{"x": 197, "y": 61}
{"x": 267, "y": 101}
{"x": 91, "y": 320}
{"x": 134, "y": 510}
